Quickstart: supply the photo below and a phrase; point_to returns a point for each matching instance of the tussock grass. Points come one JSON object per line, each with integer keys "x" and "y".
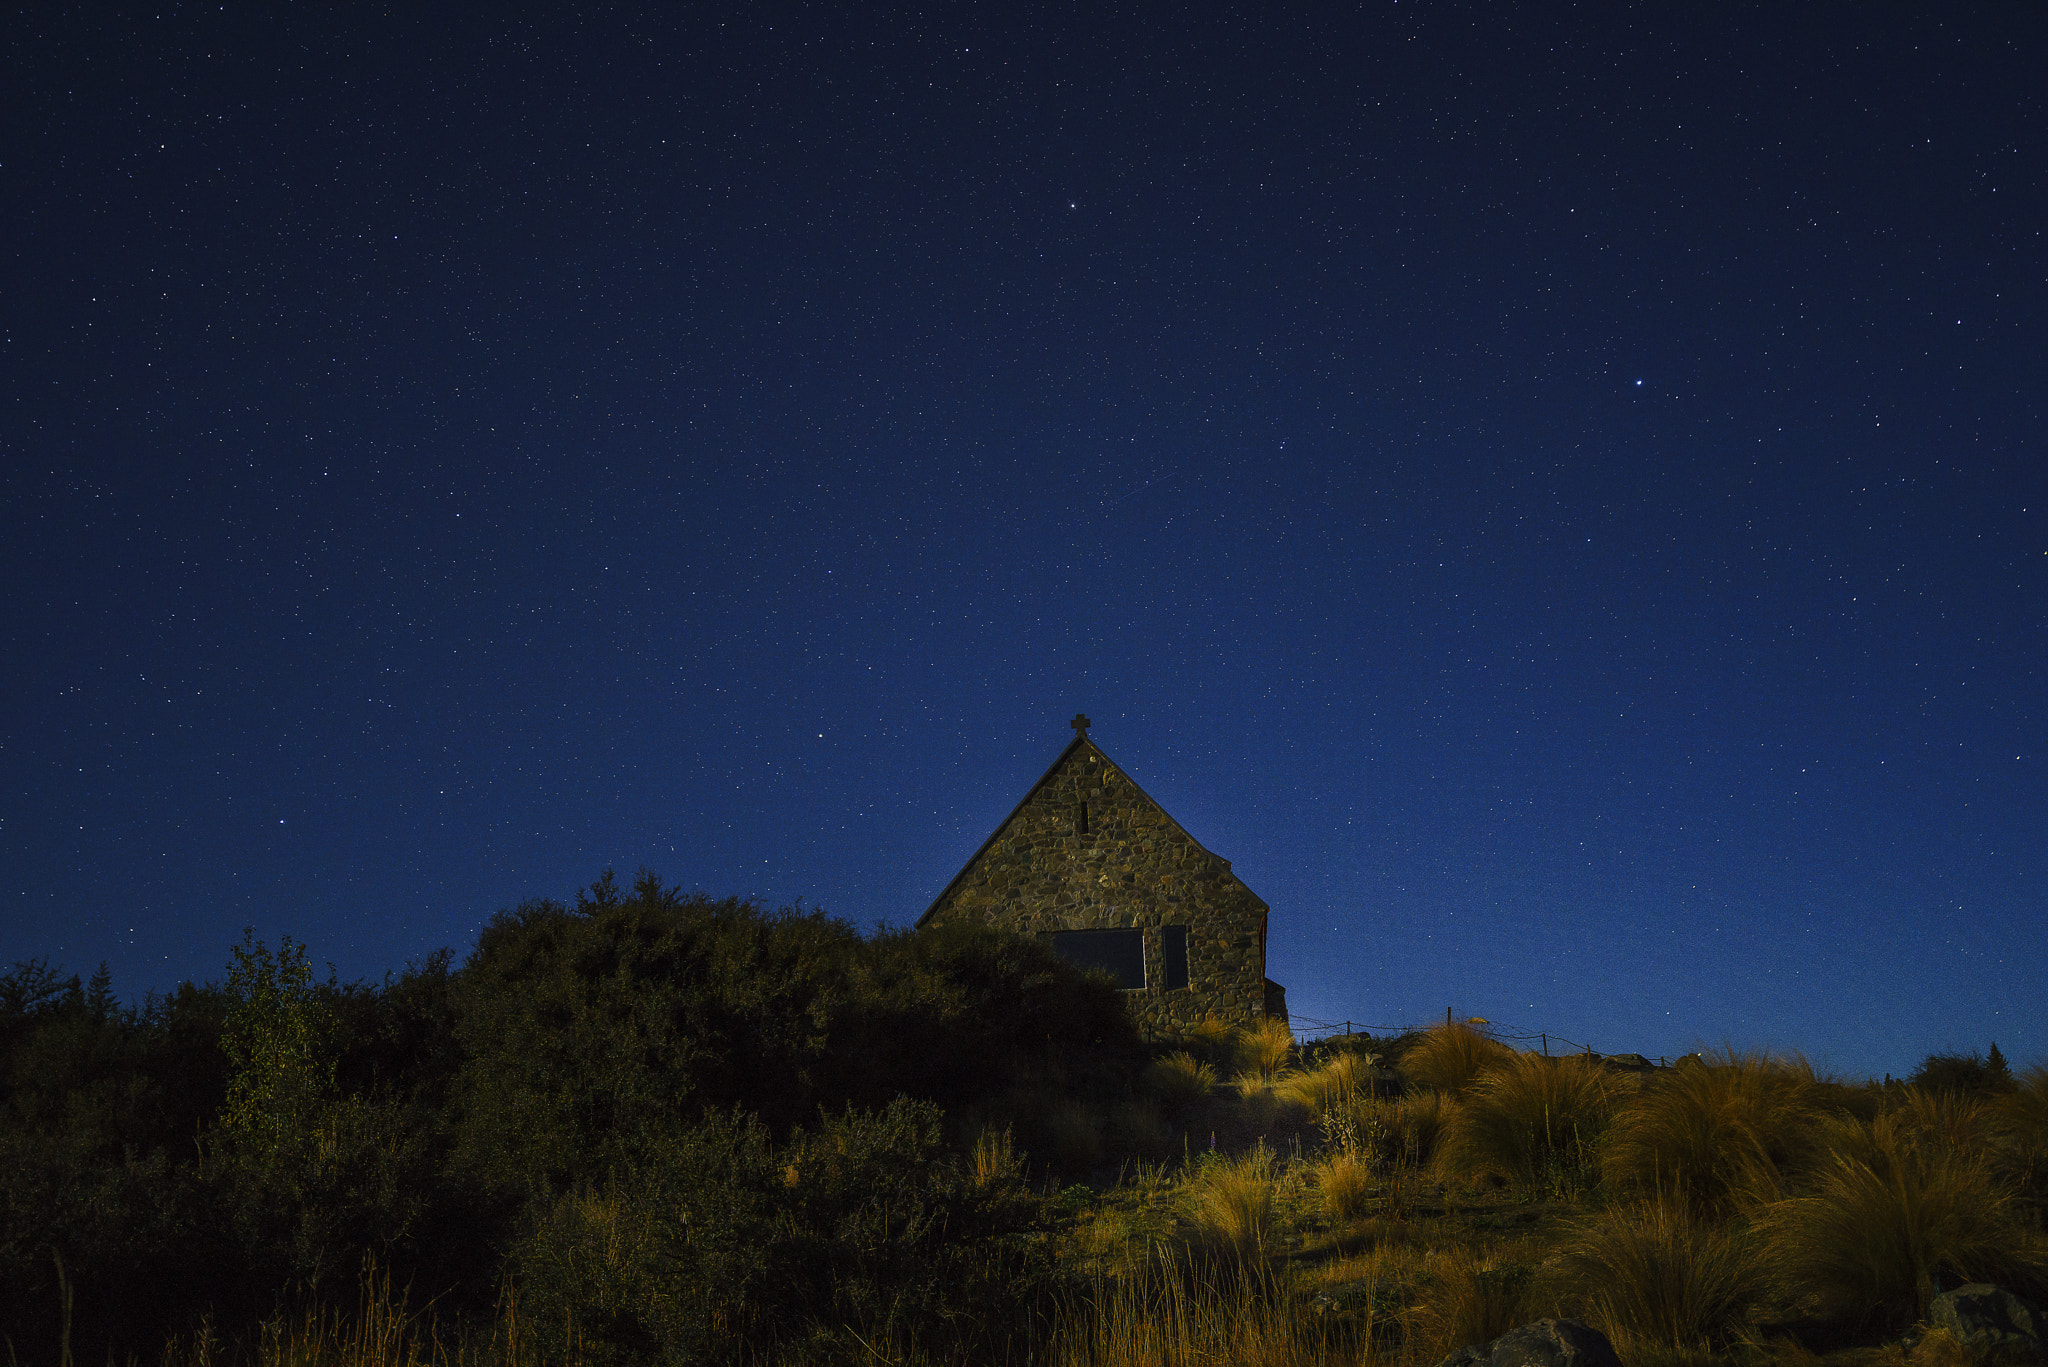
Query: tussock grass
{"x": 1403, "y": 1132}
{"x": 1887, "y": 1220}
{"x": 1530, "y": 1121}
{"x": 1180, "y": 1080}
{"x": 1333, "y": 1086}
{"x": 1719, "y": 1132}
{"x": 384, "y": 1331}
{"x": 1450, "y": 1058}
{"x": 2021, "y": 1123}
{"x": 1653, "y": 1275}
{"x": 1467, "y": 1295}
{"x": 1229, "y": 1207}
{"x": 994, "y": 1161}
{"x": 1345, "y": 1182}
{"x": 1264, "y": 1048}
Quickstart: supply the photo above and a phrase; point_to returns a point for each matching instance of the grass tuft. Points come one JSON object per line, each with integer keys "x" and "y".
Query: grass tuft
{"x": 1229, "y": 1205}
{"x": 1450, "y": 1058}
{"x": 1721, "y": 1132}
{"x": 1889, "y": 1220}
{"x": 1264, "y": 1048}
{"x": 1180, "y": 1080}
{"x": 1345, "y": 1181}
{"x": 1654, "y": 1276}
{"x": 1333, "y": 1086}
{"x": 1530, "y": 1121}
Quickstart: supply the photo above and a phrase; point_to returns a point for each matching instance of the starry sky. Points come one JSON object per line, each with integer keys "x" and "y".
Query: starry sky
{"x": 1555, "y": 494}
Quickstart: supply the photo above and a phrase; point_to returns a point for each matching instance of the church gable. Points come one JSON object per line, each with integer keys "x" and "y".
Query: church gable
{"x": 1091, "y": 861}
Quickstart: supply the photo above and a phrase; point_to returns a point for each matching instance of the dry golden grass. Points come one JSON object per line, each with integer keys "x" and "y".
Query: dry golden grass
{"x": 1467, "y": 1295}
{"x": 2020, "y": 1119}
{"x": 1450, "y": 1057}
{"x": 1530, "y": 1121}
{"x": 1719, "y": 1132}
{"x": 1334, "y": 1085}
{"x": 994, "y": 1162}
{"x": 1344, "y": 1181}
{"x": 1180, "y": 1080}
{"x": 384, "y": 1331}
{"x": 1264, "y": 1048}
{"x": 1164, "y": 1319}
{"x": 1229, "y": 1207}
{"x": 1887, "y": 1219}
{"x": 1654, "y": 1276}
{"x": 1401, "y": 1131}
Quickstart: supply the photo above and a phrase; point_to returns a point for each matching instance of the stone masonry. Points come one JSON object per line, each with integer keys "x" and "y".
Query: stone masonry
{"x": 1088, "y": 850}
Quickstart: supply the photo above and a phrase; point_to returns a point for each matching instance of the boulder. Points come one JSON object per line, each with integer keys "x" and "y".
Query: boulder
{"x": 1984, "y": 1316}
{"x": 1546, "y": 1343}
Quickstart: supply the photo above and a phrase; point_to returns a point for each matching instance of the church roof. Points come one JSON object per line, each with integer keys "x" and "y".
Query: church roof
{"x": 1079, "y": 741}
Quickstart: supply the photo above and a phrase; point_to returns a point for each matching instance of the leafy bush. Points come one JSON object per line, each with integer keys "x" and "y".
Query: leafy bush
{"x": 1970, "y": 1074}
{"x": 716, "y": 1244}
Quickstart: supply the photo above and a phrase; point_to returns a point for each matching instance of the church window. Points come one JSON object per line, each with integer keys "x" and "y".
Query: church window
{"x": 1119, "y": 953}
{"x": 1173, "y": 945}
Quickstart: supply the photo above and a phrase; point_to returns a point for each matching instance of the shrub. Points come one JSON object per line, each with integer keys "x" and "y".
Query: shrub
{"x": 1180, "y": 1080}
{"x": 1970, "y": 1074}
{"x": 1135, "y": 1129}
{"x": 1530, "y": 1121}
{"x": 1073, "y": 1138}
{"x": 1889, "y": 1220}
{"x": 1450, "y": 1058}
{"x": 1714, "y": 1131}
{"x": 1654, "y": 1274}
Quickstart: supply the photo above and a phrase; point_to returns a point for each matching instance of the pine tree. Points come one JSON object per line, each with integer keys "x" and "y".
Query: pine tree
{"x": 1997, "y": 1075}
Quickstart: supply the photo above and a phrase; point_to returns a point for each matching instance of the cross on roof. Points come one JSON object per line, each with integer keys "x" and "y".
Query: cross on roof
{"x": 1080, "y": 722}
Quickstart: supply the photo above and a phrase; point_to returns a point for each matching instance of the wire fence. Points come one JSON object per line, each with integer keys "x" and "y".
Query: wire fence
{"x": 1309, "y": 1030}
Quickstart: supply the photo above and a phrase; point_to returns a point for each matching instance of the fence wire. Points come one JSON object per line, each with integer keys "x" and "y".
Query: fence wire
{"x": 1310, "y": 1030}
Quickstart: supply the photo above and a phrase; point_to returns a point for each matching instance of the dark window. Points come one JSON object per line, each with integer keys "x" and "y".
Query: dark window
{"x": 1119, "y": 953}
{"x": 1173, "y": 942}
{"x": 1081, "y": 819}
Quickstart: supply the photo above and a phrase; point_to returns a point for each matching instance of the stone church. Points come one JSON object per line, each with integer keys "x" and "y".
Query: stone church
{"x": 1096, "y": 866}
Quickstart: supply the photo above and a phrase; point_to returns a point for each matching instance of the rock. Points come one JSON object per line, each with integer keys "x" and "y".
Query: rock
{"x": 1981, "y": 1315}
{"x": 1546, "y": 1343}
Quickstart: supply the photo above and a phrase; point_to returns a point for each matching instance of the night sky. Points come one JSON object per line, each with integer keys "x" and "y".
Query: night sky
{"x": 1556, "y": 495}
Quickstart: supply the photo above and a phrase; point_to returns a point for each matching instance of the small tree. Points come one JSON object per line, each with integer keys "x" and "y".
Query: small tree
{"x": 278, "y": 1039}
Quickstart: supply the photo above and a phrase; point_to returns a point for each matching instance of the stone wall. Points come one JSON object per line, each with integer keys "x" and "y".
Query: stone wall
{"x": 1132, "y": 867}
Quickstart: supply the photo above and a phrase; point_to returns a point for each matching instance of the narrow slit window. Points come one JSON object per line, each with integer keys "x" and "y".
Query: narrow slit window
{"x": 1173, "y": 945}
{"x": 1081, "y": 819}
